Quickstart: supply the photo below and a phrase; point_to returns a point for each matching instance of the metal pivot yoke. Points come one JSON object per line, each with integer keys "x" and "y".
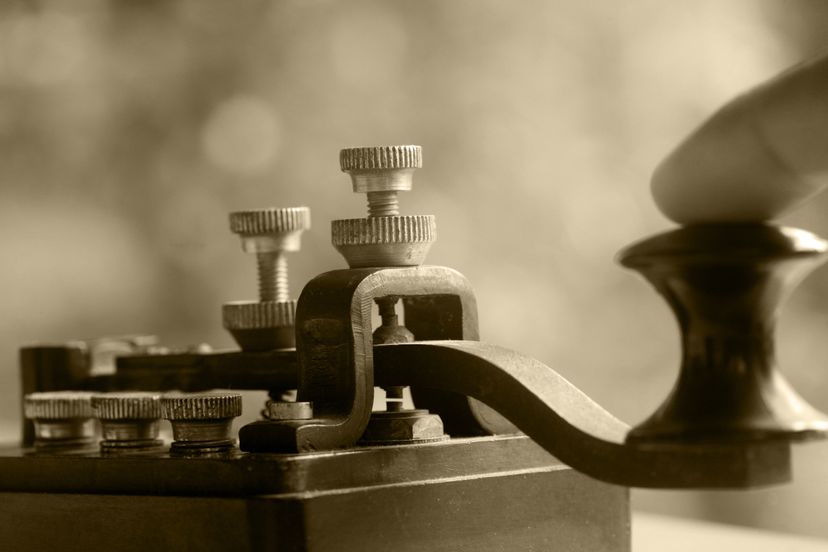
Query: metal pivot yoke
{"x": 335, "y": 350}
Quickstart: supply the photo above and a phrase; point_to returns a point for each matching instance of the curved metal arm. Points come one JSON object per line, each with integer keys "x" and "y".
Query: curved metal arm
{"x": 570, "y": 425}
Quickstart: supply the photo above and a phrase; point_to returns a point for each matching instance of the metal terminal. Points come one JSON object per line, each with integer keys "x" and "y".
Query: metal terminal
{"x": 201, "y": 422}
{"x": 385, "y": 238}
{"x": 62, "y": 419}
{"x": 129, "y": 421}
{"x": 268, "y": 233}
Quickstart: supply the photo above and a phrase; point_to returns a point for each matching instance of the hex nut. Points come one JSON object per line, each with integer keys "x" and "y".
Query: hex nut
{"x": 406, "y": 426}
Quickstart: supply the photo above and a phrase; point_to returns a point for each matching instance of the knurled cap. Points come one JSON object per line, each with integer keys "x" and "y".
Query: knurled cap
{"x": 381, "y": 157}
{"x": 270, "y": 221}
{"x": 201, "y": 406}
{"x": 384, "y": 241}
{"x": 384, "y": 230}
{"x": 256, "y": 315}
{"x": 127, "y": 406}
{"x": 58, "y": 405}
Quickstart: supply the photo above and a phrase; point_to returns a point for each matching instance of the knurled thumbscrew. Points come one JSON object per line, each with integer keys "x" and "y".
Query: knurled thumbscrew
{"x": 201, "y": 422}
{"x": 61, "y": 418}
{"x": 269, "y": 234}
{"x": 129, "y": 421}
{"x": 384, "y": 238}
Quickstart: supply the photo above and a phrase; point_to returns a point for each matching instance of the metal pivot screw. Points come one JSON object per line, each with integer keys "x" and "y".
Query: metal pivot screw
{"x": 395, "y": 425}
{"x": 129, "y": 421}
{"x": 202, "y": 422}
{"x": 384, "y": 238}
{"x": 391, "y": 332}
{"x": 61, "y": 419}
{"x": 268, "y": 233}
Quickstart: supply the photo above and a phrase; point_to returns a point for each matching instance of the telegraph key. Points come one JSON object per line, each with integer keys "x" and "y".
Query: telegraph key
{"x": 321, "y": 471}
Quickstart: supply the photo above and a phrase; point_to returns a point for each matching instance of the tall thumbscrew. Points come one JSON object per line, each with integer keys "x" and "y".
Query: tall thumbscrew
{"x": 385, "y": 238}
{"x": 269, "y": 233}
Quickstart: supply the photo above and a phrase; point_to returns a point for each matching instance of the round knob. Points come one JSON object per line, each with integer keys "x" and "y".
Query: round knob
{"x": 384, "y": 238}
{"x": 201, "y": 422}
{"x": 725, "y": 284}
{"x": 270, "y": 230}
{"x": 61, "y": 418}
{"x": 381, "y": 172}
{"x": 128, "y": 420}
{"x": 384, "y": 241}
{"x": 269, "y": 233}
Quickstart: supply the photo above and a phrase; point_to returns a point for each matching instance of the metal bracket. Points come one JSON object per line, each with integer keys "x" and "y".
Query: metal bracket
{"x": 335, "y": 351}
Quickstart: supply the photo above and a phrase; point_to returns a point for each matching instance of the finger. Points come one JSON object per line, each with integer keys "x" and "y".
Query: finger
{"x": 760, "y": 156}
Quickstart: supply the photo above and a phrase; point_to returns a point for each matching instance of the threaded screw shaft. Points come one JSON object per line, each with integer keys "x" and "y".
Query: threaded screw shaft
{"x": 383, "y": 204}
{"x": 273, "y": 276}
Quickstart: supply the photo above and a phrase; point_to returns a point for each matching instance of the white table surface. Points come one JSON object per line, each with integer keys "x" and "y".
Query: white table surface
{"x": 653, "y": 533}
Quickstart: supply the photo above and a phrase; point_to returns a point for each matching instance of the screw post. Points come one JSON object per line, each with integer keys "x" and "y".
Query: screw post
{"x": 384, "y": 237}
{"x": 269, "y": 233}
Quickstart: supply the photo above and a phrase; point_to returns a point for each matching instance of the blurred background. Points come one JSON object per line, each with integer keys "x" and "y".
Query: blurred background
{"x": 128, "y": 130}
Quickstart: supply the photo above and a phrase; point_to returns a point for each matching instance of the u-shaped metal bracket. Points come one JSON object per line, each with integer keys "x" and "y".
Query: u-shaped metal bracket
{"x": 335, "y": 350}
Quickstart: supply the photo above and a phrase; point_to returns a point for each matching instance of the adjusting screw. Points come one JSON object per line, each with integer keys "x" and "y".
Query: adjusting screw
{"x": 269, "y": 233}
{"x": 384, "y": 238}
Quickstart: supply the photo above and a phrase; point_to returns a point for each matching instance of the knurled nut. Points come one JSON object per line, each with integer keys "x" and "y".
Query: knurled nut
{"x": 384, "y": 230}
{"x": 127, "y": 406}
{"x": 58, "y": 405}
{"x": 381, "y": 157}
{"x": 255, "y": 315}
{"x": 270, "y": 221}
{"x": 201, "y": 406}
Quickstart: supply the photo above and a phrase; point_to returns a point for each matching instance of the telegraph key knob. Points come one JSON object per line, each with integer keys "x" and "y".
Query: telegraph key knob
{"x": 61, "y": 418}
{"x": 201, "y": 422}
{"x": 129, "y": 421}
{"x": 384, "y": 238}
{"x": 269, "y": 233}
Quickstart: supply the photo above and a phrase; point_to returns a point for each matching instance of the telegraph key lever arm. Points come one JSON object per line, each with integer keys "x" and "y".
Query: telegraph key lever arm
{"x": 571, "y": 426}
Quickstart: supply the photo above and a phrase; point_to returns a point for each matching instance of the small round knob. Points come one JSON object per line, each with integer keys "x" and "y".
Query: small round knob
{"x": 384, "y": 238}
{"x": 381, "y": 172}
{"x": 201, "y": 422}
{"x": 129, "y": 421}
{"x": 269, "y": 233}
{"x": 61, "y": 418}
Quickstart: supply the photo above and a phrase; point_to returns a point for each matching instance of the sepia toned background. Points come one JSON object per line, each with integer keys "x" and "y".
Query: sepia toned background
{"x": 128, "y": 130}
